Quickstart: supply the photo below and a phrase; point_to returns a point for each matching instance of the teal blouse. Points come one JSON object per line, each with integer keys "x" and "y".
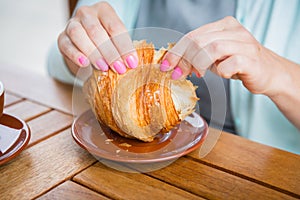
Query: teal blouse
{"x": 275, "y": 24}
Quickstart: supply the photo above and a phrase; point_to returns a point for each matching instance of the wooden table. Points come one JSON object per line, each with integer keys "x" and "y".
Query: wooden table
{"x": 53, "y": 166}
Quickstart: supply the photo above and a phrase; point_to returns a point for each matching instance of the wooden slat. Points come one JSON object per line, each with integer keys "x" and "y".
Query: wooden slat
{"x": 42, "y": 166}
{"x": 236, "y": 168}
{"x": 72, "y": 191}
{"x": 37, "y": 87}
{"x": 26, "y": 110}
{"x": 121, "y": 185}
{"x": 212, "y": 183}
{"x": 10, "y": 99}
{"x": 48, "y": 124}
{"x": 259, "y": 162}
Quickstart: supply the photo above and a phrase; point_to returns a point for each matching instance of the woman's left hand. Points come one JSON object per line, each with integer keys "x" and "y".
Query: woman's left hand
{"x": 229, "y": 50}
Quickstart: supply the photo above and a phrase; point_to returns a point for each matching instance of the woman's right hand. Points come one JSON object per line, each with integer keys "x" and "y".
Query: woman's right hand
{"x": 95, "y": 35}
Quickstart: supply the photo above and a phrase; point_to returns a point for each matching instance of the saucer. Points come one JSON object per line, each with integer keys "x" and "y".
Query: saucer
{"x": 22, "y": 141}
{"x": 104, "y": 143}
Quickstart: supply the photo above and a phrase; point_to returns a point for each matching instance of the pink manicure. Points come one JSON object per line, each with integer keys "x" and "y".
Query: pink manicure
{"x": 119, "y": 67}
{"x": 83, "y": 61}
{"x": 132, "y": 62}
{"x": 176, "y": 74}
{"x": 102, "y": 65}
{"x": 165, "y": 65}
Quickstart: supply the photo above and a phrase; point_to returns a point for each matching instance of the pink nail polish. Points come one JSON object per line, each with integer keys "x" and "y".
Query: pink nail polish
{"x": 83, "y": 61}
{"x": 176, "y": 74}
{"x": 119, "y": 67}
{"x": 165, "y": 65}
{"x": 132, "y": 61}
{"x": 102, "y": 65}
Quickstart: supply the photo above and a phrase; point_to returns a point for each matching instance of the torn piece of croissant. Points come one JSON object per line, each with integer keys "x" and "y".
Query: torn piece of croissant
{"x": 144, "y": 101}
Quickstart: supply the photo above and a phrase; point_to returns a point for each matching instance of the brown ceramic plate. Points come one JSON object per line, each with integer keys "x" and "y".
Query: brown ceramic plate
{"x": 104, "y": 143}
{"x": 19, "y": 125}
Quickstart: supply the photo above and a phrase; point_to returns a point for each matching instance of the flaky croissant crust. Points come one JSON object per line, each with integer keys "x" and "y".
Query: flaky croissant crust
{"x": 142, "y": 102}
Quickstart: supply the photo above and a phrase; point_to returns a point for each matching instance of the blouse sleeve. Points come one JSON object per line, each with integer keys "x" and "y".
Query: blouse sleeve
{"x": 57, "y": 67}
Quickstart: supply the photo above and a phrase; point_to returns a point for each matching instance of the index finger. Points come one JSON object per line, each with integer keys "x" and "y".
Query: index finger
{"x": 187, "y": 47}
{"x": 118, "y": 34}
{"x": 173, "y": 56}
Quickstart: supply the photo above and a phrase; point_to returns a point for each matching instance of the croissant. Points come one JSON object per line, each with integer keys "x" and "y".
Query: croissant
{"x": 144, "y": 101}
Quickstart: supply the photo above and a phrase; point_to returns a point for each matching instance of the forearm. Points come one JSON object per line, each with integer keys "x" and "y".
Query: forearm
{"x": 287, "y": 97}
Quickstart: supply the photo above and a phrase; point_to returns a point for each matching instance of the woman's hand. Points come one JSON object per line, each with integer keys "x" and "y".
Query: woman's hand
{"x": 96, "y": 35}
{"x": 229, "y": 50}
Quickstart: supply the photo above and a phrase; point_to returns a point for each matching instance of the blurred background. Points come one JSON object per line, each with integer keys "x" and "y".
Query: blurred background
{"x": 28, "y": 29}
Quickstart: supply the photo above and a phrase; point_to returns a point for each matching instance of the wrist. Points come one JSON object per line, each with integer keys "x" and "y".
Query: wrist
{"x": 284, "y": 83}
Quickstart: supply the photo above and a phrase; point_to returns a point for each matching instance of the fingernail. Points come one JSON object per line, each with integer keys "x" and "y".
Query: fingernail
{"x": 119, "y": 67}
{"x": 165, "y": 65}
{"x": 132, "y": 61}
{"x": 83, "y": 61}
{"x": 102, "y": 65}
{"x": 176, "y": 74}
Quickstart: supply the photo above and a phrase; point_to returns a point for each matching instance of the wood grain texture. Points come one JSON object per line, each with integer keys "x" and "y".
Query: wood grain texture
{"x": 47, "y": 125}
{"x": 212, "y": 183}
{"x": 10, "y": 99}
{"x": 259, "y": 162}
{"x": 37, "y": 87}
{"x": 235, "y": 169}
{"x": 71, "y": 191}
{"x": 122, "y": 185}
{"x": 42, "y": 166}
{"x": 26, "y": 110}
